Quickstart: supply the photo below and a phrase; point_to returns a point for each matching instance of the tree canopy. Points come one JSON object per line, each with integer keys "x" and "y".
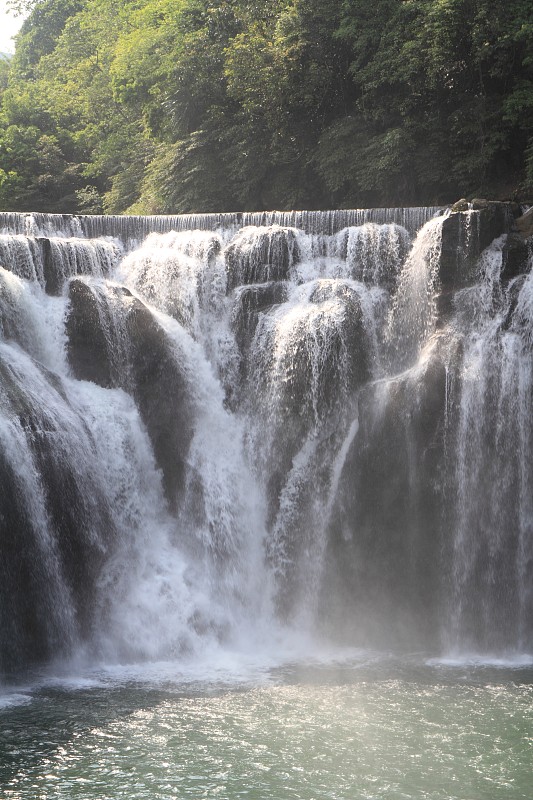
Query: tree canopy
{"x": 154, "y": 106}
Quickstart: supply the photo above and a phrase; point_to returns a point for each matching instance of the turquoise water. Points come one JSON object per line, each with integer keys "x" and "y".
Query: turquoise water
{"x": 381, "y": 728}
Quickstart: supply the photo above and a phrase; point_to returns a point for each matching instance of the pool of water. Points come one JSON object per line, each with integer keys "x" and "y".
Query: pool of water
{"x": 373, "y": 727}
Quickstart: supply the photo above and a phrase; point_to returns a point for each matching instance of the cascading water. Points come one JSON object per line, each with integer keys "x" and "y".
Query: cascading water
{"x": 213, "y": 427}
{"x": 490, "y": 465}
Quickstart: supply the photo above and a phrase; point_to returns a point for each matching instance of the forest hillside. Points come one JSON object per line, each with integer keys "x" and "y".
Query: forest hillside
{"x": 157, "y": 106}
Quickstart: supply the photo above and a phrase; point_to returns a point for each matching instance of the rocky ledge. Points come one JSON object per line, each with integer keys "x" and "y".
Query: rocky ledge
{"x": 469, "y": 228}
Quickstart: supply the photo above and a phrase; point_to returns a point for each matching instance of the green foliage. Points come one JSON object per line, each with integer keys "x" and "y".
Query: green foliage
{"x": 203, "y": 105}
{"x": 5, "y": 66}
{"x": 39, "y": 33}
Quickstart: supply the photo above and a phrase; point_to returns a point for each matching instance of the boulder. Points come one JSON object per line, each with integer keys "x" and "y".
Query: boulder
{"x": 249, "y": 302}
{"x": 53, "y": 279}
{"x": 88, "y": 348}
{"x": 162, "y": 397}
{"x": 494, "y": 220}
{"x": 460, "y": 205}
{"x": 153, "y": 373}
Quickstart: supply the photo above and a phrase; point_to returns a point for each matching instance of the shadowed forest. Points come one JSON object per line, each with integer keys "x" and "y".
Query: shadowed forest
{"x": 159, "y": 106}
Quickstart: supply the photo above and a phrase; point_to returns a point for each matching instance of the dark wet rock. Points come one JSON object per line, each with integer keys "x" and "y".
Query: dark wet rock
{"x": 384, "y": 550}
{"x": 524, "y": 224}
{"x": 465, "y": 234}
{"x": 514, "y": 289}
{"x": 21, "y": 255}
{"x": 162, "y": 396}
{"x": 445, "y": 307}
{"x": 10, "y": 327}
{"x": 516, "y": 253}
{"x": 96, "y": 325}
{"x": 59, "y": 548}
{"x": 81, "y": 520}
{"x": 327, "y": 362}
{"x": 495, "y": 220}
{"x": 88, "y": 348}
{"x": 63, "y": 258}
{"x": 53, "y": 280}
{"x": 27, "y": 628}
{"x": 261, "y": 255}
{"x": 452, "y": 272}
{"x": 460, "y": 205}
{"x": 249, "y": 302}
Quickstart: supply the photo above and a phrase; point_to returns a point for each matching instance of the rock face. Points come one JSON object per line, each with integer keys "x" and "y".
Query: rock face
{"x": 88, "y": 347}
{"x": 384, "y": 544}
{"x": 516, "y": 252}
{"x": 460, "y": 205}
{"x": 465, "y": 234}
{"x": 311, "y": 353}
{"x": 114, "y": 341}
{"x": 161, "y": 393}
{"x": 249, "y": 302}
{"x": 524, "y": 224}
{"x": 416, "y": 512}
{"x": 53, "y": 280}
{"x": 63, "y": 258}
{"x": 47, "y": 490}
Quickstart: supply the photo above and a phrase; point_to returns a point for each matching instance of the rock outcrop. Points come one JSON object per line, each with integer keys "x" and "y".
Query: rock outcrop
{"x": 384, "y": 541}
{"x": 466, "y": 232}
{"x": 115, "y": 341}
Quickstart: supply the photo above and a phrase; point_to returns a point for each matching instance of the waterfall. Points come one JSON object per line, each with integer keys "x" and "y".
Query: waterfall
{"x": 412, "y": 316}
{"x": 220, "y": 429}
{"x": 491, "y": 470}
{"x": 135, "y": 229}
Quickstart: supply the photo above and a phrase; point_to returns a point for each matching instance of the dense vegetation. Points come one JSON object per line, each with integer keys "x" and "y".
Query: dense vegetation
{"x": 197, "y": 105}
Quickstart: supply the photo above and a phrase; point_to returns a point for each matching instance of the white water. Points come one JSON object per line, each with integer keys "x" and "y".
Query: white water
{"x": 412, "y": 316}
{"x": 492, "y": 468}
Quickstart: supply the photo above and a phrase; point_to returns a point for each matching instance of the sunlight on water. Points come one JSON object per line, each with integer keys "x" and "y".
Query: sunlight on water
{"x": 374, "y": 729}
